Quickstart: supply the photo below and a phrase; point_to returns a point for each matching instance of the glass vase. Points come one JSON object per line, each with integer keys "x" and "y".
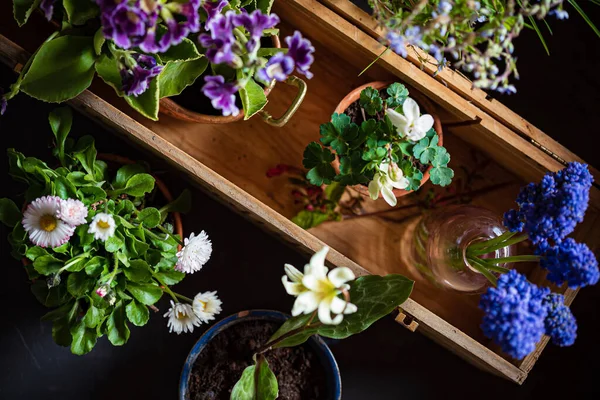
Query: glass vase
{"x": 440, "y": 244}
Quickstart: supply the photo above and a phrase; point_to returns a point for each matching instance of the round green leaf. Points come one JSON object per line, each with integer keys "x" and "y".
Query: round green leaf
{"x": 149, "y": 216}
{"x": 118, "y": 331}
{"x": 84, "y": 339}
{"x": 145, "y": 293}
{"x": 80, "y": 284}
{"x": 138, "y": 271}
{"x": 137, "y": 313}
{"x": 10, "y": 215}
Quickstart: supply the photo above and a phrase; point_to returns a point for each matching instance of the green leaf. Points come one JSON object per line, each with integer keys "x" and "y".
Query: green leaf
{"x": 22, "y": 10}
{"x": 79, "y": 284}
{"x": 258, "y": 382}
{"x": 93, "y": 317}
{"x": 61, "y": 70}
{"x": 371, "y": 101}
{"x": 138, "y": 271}
{"x": 441, "y": 157}
{"x": 374, "y": 296}
{"x": 62, "y": 249}
{"x": 145, "y": 293}
{"x": 61, "y": 120}
{"x": 171, "y": 277}
{"x": 177, "y": 75}
{"x": 585, "y": 16}
{"x": 441, "y": 176}
{"x": 99, "y": 41}
{"x": 264, "y": 5}
{"x": 309, "y": 219}
{"x": 334, "y": 192}
{"x": 118, "y": 331}
{"x": 125, "y": 173}
{"x": 113, "y": 244}
{"x": 253, "y": 98}
{"x": 149, "y": 216}
{"x": 47, "y": 265}
{"x": 64, "y": 188}
{"x": 318, "y": 160}
{"x": 147, "y": 103}
{"x": 181, "y": 204}
{"x": 397, "y": 93}
{"x": 84, "y": 339}
{"x": 96, "y": 266}
{"x": 35, "y": 252}
{"x": 184, "y": 51}
{"x": 52, "y": 297}
{"x": 85, "y": 152}
{"x": 137, "y": 313}
{"x": 61, "y": 328}
{"x": 80, "y": 11}
{"x": 136, "y": 186}
{"x": 10, "y": 215}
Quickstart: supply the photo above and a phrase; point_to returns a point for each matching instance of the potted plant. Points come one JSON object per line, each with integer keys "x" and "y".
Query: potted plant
{"x": 101, "y": 245}
{"x": 154, "y": 49}
{"x": 383, "y": 145}
{"x": 466, "y": 249}
{"x": 330, "y": 304}
{"x": 477, "y": 35}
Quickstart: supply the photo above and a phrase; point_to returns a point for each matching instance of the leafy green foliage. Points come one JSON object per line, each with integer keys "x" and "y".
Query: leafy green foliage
{"x": 80, "y": 11}
{"x": 318, "y": 160}
{"x": 375, "y": 297}
{"x": 177, "y": 75}
{"x": 253, "y": 98}
{"x": 397, "y": 93}
{"x": 127, "y": 266}
{"x": 22, "y": 10}
{"x": 258, "y": 382}
{"x": 371, "y": 101}
{"x": 61, "y": 69}
{"x": 441, "y": 176}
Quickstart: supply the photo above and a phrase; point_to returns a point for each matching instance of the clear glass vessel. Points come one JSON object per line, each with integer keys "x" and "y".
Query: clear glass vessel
{"x": 440, "y": 243}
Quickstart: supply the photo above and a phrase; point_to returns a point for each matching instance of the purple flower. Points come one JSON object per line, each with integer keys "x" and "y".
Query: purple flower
{"x": 129, "y": 25}
{"x": 221, "y": 94}
{"x": 136, "y": 78}
{"x": 559, "y": 14}
{"x": 220, "y": 43}
{"x": 213, "y": 8}
{"x": 571, "y": 262}
{"x": 255, "y": 24}
{"x": 514, "y": 314}
{"x": 3, "y": 102}
{"x": 396, "y": 43}
{"x": 177, "y": 31}
{"x": 549, "y": 211}
{"x": 560, "y": 323}
{"x": 300, "y": 50}
{"x": 47, "y": 6}
{"x": 279, "y": 67}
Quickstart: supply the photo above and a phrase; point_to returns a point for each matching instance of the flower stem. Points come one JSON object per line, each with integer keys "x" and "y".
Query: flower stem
{"x": 374, "y": 61}
{"x": 165, "y": 231}
{"x": 491, "y": 242}
{"x": 498, "y": 246}
{"x": 523, "y": 258}
{"x": 269, "y": 345}
{"x": 479, "y": 266}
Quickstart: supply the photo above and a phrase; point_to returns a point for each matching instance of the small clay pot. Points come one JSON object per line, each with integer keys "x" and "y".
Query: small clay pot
{"x": 171, "y": 108}
{"x": 316, "y": 343}
{"x": 424, "y": 105}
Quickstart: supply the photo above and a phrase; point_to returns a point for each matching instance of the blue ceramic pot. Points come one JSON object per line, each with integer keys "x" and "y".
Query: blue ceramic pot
{"x": 316, "y": 343}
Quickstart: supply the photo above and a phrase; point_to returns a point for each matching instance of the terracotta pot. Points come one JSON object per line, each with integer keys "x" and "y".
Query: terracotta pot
{"x": 178, "y": 226}
{"x": 424, "y": 105}
{"x": 171, "y": 108}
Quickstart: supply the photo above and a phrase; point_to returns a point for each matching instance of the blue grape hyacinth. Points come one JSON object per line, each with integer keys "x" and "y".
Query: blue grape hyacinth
{"x": 560, "y": 322}
{"x": 571, "y": 262}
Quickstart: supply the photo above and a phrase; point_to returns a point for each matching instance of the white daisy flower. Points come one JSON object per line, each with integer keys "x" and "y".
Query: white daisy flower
{"x": 181, "y": 318}
{"x": 206, "y": 305}
{"x": 318, "y": 290}
{"x": 194, "y": 254}
{"x": 102, "y": 226}
{"x": 73, "y": 212}
{"x": 42, "y": 225}
{"x": 412, "y": 124}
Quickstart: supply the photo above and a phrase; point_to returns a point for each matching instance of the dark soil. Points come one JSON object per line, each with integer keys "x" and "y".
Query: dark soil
{"x": 193, "y": 99}
{"x": 219, "y": 366}
{"x": 358, "y": 116}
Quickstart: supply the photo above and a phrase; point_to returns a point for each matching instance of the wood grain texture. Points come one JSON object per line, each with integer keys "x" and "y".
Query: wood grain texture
{"x": 459, "y": 84}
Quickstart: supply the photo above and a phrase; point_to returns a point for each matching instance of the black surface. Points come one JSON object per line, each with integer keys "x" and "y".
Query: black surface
{"x": 385, "y": 362}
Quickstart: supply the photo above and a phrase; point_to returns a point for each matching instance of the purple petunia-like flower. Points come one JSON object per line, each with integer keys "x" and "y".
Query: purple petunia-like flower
{"x": 255, "y": 24}
{"x": 549, "y": 211}
{"x": 514, "y": 314}
{"x": 47, "y": 7}
{"x": 136, "y": 79}
{"x": 221, "y": 94}
{"x": 571, "y": 262}
{"x": 300, "y": 50}
{"x": 220, "y": 43}
{"x": 3, "y": 102}
{"x": 560, "y": 324}
{"x": 176, "y": 30}
{"x": 213, "y": 8}
{"x": 279, "y": 67}
{"x": 129, "y": 25}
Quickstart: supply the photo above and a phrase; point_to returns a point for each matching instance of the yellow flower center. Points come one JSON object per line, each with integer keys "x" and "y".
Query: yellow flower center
{"x": 203, "y": 304}
{"x": 103, "y": 224}
{"x": 48, "y": 223}
{"x": 180, "y": 315}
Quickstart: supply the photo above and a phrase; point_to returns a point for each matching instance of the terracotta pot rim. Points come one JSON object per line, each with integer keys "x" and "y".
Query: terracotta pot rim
{"x": 159, "y": 184}
{"x": 423, "y": 102}
{"x": 171, "y": 108}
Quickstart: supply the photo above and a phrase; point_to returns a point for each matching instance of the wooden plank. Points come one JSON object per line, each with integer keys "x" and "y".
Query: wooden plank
{"x": 460, "y": 84}
{"x": 231, "y": 194}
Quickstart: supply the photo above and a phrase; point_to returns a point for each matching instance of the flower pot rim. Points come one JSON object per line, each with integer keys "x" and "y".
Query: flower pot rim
{"x": 258, "y": 314}
{"x": 171, "y": 108}
{"x": 423, "y": 102}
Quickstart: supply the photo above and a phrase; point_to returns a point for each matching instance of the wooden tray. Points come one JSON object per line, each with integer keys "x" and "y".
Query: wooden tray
{"x": 230, "y": 161}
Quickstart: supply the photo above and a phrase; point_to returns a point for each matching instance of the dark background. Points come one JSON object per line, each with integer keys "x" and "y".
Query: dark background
{"x": 559, "y": 94}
